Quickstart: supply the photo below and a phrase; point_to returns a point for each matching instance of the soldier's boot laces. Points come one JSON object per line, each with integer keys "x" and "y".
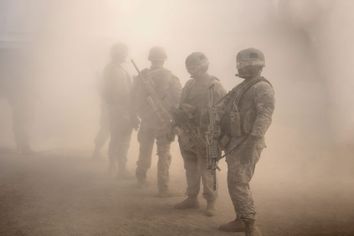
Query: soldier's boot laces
{"x": 233, "y": 226}
{"x": 188, "y": 203}
{"x": 210, "y": 209}
{"x": 251, "y": 229}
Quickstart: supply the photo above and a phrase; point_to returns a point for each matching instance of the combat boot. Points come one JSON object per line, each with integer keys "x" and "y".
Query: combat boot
{"x": 233, "y": 226}
{"x": 251, "y": 229}
{"x": 190, "y": 202}
{"x": 210, "y": 209}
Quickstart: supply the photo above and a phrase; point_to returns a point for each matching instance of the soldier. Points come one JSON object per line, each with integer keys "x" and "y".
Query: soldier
{"x": 192, "y": 119}
{"x": 117, "y": 97}
{"x": 245, "y": 115}
{"x": 167, "y": 89}
{"x": 18, "y": 90}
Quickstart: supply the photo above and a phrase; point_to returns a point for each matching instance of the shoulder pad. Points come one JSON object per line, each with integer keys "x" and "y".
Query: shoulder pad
{"x": 266, "y": 81}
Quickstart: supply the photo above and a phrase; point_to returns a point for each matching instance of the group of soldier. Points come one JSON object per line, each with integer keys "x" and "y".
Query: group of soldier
{"x": 156, "y": 105}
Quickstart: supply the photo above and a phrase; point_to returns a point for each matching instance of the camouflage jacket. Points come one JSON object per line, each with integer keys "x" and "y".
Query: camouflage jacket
{"x": 195, "y": 94}
{"x": 255, "y": 109}
{"x": 167, "y": 87}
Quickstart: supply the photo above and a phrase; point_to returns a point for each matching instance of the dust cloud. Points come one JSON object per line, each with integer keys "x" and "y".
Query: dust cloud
{"x": 304, "y": 180}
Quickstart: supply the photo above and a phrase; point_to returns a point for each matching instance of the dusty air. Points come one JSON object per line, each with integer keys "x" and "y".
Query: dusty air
{"x": 162, "y": 117}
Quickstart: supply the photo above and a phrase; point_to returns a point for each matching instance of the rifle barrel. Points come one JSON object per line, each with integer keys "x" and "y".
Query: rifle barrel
{"x": 135, "y": 66}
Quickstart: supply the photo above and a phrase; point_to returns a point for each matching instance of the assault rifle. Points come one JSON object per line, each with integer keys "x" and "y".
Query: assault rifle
{"x": 213, "y": 151}
{"x": 153, "y": 98}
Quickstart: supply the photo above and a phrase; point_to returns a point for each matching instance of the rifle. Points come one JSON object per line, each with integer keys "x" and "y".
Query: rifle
{"x": 213, "y": 151}
{"x": 153, "y": 99}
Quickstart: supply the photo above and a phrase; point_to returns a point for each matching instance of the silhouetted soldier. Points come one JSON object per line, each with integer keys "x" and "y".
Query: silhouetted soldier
{"x": 117, "y": 98}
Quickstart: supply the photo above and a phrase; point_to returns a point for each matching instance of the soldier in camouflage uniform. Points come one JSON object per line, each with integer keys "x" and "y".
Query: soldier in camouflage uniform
{"x": 192, "y": 138}
{"x": 117, "y": 97}
{"x": 245, "y": 115}
{"x": 168, "y": 88}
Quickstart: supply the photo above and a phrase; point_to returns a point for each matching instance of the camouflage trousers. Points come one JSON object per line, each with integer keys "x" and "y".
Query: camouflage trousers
{"x": 239, "y": 176}
{"x": 196, "y": 166}
{"x": 120, "y": 133}
{"x": 146, "y": 137}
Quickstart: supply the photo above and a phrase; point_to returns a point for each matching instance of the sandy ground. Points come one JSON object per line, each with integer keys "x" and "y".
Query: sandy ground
{"x": 66, "y": 193}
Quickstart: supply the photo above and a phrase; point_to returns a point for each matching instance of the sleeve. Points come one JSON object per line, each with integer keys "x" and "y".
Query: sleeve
{"x": 219, "y": 91}
{"x": 184, "y": 92}
{"x": 264, "y": 101}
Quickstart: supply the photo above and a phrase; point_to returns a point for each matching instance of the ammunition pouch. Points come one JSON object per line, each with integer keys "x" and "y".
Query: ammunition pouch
{"x": 235, "y": 123}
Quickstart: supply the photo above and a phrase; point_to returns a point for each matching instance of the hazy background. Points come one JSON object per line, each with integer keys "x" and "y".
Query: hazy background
{"x": 308, "y": 59}
{"x": 309, "y": 55}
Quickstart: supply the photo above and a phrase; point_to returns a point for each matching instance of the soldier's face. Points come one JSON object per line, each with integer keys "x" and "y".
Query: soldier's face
{"x": 247, "y": 72}
{"x": 193, "y": 70}
{"x": 197, "y": 70}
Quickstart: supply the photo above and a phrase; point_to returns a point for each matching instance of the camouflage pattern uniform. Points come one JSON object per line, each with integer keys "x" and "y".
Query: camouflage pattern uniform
{"x": 255, "y": 109}
{"x": 192, "y": 118}
{"x": 252, "y": 102}
{"x": 117, "y": 96}
{"x": 168, "y": 88}
{"x": 196, "y": 94}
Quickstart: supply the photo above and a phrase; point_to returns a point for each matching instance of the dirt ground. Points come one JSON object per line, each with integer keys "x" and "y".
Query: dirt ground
{"x": 60, "y": 192}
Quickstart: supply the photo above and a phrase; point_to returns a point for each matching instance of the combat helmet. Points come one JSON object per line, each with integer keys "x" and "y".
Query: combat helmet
{"x": 250, "y": 57}
{"x": 197, "y": 62}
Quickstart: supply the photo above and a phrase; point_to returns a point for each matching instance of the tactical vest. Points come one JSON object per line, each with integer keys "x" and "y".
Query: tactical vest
{"x": 231, "y": 120}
